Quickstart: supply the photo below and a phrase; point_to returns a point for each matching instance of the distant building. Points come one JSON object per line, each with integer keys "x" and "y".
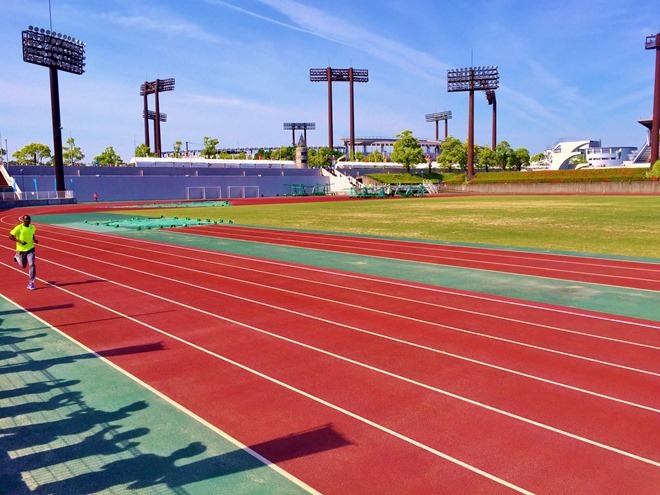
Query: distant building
{"x": 561, "y": 154}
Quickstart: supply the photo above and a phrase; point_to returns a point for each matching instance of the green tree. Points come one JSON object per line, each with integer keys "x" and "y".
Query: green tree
{"x": 407, "y": 150}
{"x": 375, "y": 157}
{"x": 71, "y": 154}
{"x": 143, "y": 151}
{"x": 210, "y": 147}
{"x": 357, "y": 156}
{"x": 453, "y": 151}
{"x": 487, "y": 158}
{"x": 503, "y": 152}
{"x": 177, "y": 149}
{"x": 323, "y": 157}
{"x": 33, "y": 154}
{"x": 578, "y": 159}
{"x": 539, "y": 158}
{"x": 521, "y": 158}
{"x": 108, "y": 158}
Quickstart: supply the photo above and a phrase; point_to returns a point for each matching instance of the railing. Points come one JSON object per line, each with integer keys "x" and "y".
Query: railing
{"x": 32, "y": 195}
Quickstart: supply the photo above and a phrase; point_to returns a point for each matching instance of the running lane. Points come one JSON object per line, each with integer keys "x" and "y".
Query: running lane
{"x": 474, "y": 395}
{"x": 632, "y": 274}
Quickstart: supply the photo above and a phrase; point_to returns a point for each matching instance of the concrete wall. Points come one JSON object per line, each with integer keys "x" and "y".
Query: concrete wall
{"x": 636, "y": 187}
{"x": 146, "y": 184}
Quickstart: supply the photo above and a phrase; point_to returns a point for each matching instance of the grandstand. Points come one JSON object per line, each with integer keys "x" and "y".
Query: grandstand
{"x": 164, "y": 179}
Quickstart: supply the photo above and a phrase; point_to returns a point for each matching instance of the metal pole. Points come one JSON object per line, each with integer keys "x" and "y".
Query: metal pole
{"x": 330, "y": 130}
{"x": 351, "y": 109}
{"x": 157, "y": 122}
{"x": 655, "y": 124}
{"x": 146, "y": 117}
{"x": 446, "y": 129}
{"x": 57, "y": 131}
{"x": 293, "y": 136}
{"x": 470, "y": 144}
{"x": 494, "y": 136}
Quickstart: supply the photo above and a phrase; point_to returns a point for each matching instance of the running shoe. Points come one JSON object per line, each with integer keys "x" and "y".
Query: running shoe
{"x": 31, "y": 287}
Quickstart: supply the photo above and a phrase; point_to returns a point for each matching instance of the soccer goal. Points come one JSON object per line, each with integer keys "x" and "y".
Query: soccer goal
{"x": 204, "y": 192}
{"x": 243, "y": 192}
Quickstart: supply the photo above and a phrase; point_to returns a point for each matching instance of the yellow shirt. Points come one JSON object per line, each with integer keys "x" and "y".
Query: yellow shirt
{"x": 24, "y": 234}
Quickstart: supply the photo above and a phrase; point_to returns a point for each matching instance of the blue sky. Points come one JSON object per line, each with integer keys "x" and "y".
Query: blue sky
{"x": 567, "y": 69}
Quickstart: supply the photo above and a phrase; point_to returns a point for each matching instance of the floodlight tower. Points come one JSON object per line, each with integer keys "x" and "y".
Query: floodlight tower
{"x": 292, "y": 126}
{"x": 151, "y": 115}
{"x": 154, "y": 87}
{"x": 436, "y": 117}
{"x": 653, "y": 43}
{"x": 57, "y": 52}
{"x": 342, "y": 75}
{"x": 492, "y": 100}
{"x": 472, "y": 79}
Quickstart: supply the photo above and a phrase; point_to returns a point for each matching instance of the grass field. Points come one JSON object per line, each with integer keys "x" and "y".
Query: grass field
{"x": 614, "y": 225}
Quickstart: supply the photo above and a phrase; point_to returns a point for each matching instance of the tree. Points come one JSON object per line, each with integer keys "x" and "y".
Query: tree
{"x": 502, "y": 152}
{"x": 108, "y": 158}
{"x": 71, "y": 153}
{"x": 578, "y": 159}
{"x": 177, "y": 149}
{"x": 375, "y": 157}
{"x": 33, "y": 154}
{"x": 521, "y": 158}
{"x": 453, "y": 151}
{"x": 487, "y": 158}
{"x": 323, "y": 157}
{"x": 143, "y": 151}
{"x": 210, "y": 150}
{"x": 407, "y": 150}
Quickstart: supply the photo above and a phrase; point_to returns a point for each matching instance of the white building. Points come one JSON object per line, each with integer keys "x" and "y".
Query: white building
{"x": 560, "y": 155}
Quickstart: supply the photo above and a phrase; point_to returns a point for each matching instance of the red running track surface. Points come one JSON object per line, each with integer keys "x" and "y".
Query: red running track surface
{"x": 433, "y": 391}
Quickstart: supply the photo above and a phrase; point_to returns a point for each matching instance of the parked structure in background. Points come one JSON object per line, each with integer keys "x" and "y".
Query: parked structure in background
{"x": 563, "y": 153}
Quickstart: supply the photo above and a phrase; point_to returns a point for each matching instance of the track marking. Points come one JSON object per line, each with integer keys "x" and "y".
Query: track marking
{"x": 434, "y": 289}
{"x": 373, "y": 252}
{"x": 461, "y": 330}
{"x": 430, "y": 246}
{"x": 371, "y": 293}
{"x": 167, "y": 399}
{"x": 351, "y": 361}
{"x": 272, "y": 379}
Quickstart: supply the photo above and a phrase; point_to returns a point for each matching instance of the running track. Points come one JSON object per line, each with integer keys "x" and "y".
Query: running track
{"x": 434, "y": 391}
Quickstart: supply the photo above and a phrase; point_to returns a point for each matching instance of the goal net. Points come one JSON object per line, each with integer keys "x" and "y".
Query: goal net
{"x": 242, "y": 192}
{"x": 204, "y": 192}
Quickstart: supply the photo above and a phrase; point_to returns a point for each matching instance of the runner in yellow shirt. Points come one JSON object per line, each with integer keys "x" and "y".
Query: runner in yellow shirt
{"x": 25, "y": 239}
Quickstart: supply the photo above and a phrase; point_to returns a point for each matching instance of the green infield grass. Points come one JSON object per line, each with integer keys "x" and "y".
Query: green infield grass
{"x": 612, "y": 225}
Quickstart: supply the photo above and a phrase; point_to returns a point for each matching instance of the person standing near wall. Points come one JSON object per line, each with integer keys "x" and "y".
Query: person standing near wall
{"x": 25, "y": 239}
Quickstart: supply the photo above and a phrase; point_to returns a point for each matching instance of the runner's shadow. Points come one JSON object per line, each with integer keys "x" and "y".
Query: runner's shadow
{"x": 55, "y": 283}
{"x": 151, "y": 470}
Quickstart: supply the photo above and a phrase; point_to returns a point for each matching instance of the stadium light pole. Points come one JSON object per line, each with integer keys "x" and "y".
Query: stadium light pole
{"x": 472, "y": 79}
{"x": 293, "y": 126}
{"x": 492, "y": 100}
{"x": 151, "y": 115}
{"x": 436, "y": 117}
{"x": 57, "y": 52}
{"x": 653, "y": 43}
{"x": 341, "y": 75}
{"x": 154, "y": 87}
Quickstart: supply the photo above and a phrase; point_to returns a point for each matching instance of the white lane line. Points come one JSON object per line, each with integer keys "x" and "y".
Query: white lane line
{"x": 367, "y": 292}
{"x": 384, "y": 253}
{"x": 407, "y": 342}
{"x": 275, "y": 380}
{"x": 348, "y": 360}
{"x": 467, "y": 250}
{"x": 432, "y": 289}
{"x": 362, "y": 277}
{"x": 167, "y": 399}
{"x": 448, "y": 327}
